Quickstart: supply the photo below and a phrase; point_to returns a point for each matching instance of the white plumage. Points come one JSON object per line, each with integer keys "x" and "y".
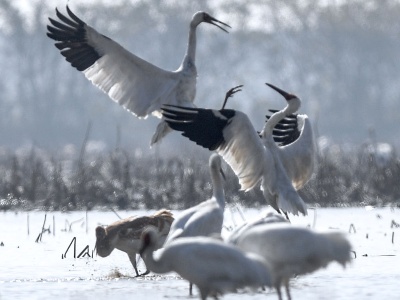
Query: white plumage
{"x": 206, "y": 218}
{"x": 268, "y": 217}
{"x": 137, "y": 85}
{"x": 253, "y": 159}
{"x": 297, "y": 156}
{"x": 291, "y": 250}
{"x": 213, "y": 266}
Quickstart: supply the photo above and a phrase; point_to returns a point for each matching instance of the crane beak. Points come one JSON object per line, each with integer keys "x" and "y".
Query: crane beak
{"x": 213, "y": 21}
{"x": 286, "y": 95}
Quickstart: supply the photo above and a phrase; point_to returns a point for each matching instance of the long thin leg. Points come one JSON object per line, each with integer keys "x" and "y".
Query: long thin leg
{"x": 278, "y": 290}
{"x": 203, "y": 294}
{"x": 287, "y": 289}
{"x": 230, "y": 94}
{"x": 145, "y": 273}
{"x": 132, "y": 258}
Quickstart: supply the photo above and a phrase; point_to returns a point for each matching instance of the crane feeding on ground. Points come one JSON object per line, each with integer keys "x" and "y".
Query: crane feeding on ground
{"x": 212, "y": 265}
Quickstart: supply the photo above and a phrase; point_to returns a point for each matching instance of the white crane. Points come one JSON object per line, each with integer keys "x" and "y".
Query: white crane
{"x": 295, "y": 140}
{"x": 213, "y": 266}
{"x": 206, "y": 218}
{"x": 125, "y": 234}
{"x": 297, "y": 149}
{"x": 292, "y": 250}
{"x": 253, "y": 159}
{"x": 137, "y": 85}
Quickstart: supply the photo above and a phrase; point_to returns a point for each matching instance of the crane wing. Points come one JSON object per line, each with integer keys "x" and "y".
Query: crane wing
{"x": 137, "y": 85}
{"x": 227, "y": 131}
{"x": 296, "y": 147}
{"x": 298, "y": 157}
{"x": 286, "y": 131}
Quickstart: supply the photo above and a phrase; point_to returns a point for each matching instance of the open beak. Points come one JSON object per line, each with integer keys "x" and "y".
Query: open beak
{"x": 286, "y": 95}
{"x": 216, "y": 22}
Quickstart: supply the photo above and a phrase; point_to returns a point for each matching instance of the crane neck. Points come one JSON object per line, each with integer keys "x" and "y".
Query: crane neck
{"x": 292, "y": 107}
{"x": 218, "y": 187}
{"x": 155, "y": 265}
{"x": 190, "y": 55}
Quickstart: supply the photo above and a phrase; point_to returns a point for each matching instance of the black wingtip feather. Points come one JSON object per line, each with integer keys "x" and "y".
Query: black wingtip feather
{"x": 66, "y": 20}
{"x": 74, "y": 17}
{"x": 286, "y": 131}
{"x": 70, "y": 36}
{"x": 200, "y": 125}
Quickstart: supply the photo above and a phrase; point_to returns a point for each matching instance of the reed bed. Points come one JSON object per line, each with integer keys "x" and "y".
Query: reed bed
{"x": 33, "y": 178}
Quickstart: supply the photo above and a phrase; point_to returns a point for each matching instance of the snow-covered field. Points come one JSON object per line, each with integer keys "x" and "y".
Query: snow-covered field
{"x": 30, "y": 270}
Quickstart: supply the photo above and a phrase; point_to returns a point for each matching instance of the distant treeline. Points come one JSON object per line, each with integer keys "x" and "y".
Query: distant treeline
{"x": 353, "y": 71}
{"x": 118, "y": 179}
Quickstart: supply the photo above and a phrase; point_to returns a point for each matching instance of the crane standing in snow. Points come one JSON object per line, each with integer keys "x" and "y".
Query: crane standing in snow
{"x": 293, "y": 250}
{"x": 205, "y": 218}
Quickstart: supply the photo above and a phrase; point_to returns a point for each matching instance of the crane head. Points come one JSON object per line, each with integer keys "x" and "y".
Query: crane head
{"x": 286, "y": 95}
{"x": 293, "y": 101}
{"x": 103, "y": 247}
{"x": 202, "y": 16}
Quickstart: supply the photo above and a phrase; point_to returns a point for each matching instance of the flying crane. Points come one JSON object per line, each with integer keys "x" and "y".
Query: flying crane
{"x": 135, "y": 84}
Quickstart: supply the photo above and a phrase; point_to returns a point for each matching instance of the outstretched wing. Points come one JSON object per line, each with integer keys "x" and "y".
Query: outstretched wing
{"x": 298, "y": 157}
{"x": 227, "y": 131}
{"x": 286, "y": 131}
{"x": 132, "y": 82}
{"x": 295, "y": 139}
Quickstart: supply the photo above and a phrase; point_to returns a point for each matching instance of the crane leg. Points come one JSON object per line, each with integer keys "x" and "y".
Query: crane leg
{"x": 230, "y": 94}
{"x": 278, "y": 290}
{"x": 287, "y": 289}
{"x": 132, "y": 258}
